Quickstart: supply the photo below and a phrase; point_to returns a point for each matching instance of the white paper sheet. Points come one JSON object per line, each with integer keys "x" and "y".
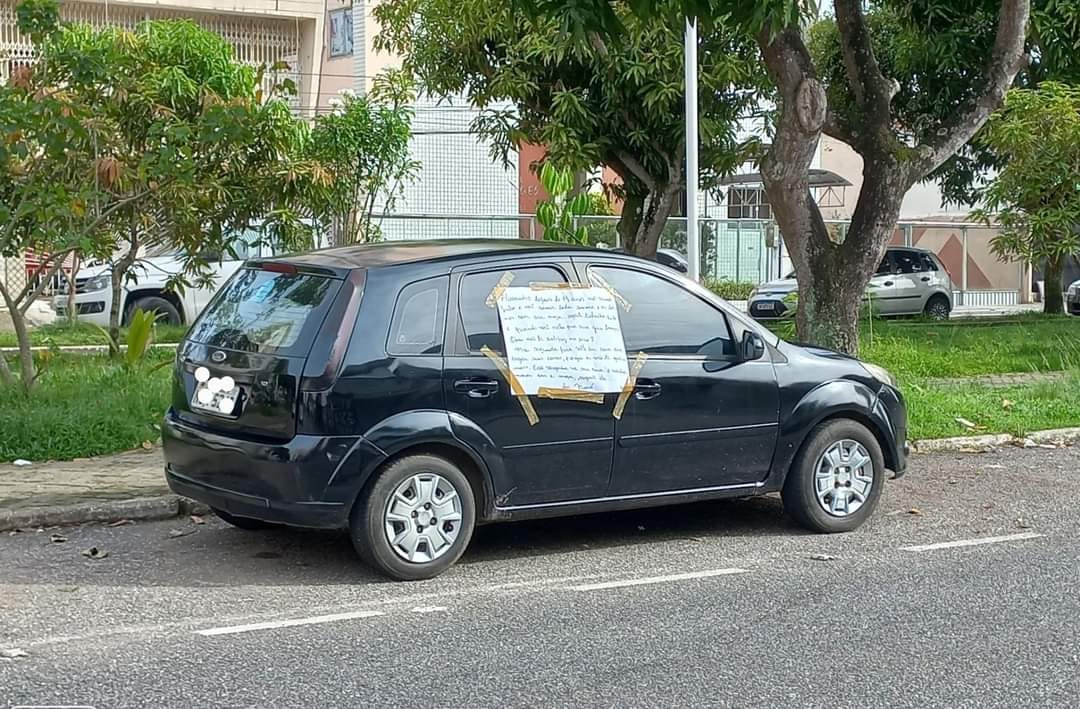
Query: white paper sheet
{"x": 564, "y": 338}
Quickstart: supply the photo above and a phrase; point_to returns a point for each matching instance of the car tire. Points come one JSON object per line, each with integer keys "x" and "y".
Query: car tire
{"x": 937, "y": 308}
{"x": 249, "y": 523}
{"x": 813, "y": 470}
{"x": 408, "y": 494}
{"x": 165, "y": 311}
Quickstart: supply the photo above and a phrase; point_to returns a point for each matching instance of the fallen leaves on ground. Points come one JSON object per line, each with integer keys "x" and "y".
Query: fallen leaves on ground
{"x": 12, "y": 652}
{"x": 57, "y": 538}
{"x": 120, "y": 523}
{"x": 915, "y": 511}
{"x": 969, "y": 425}
{"x": 1023, "y": 523}
{"x": 95, "y": 553}
{"x": 822, "y": 557}
{"x": 196, "y": 519}
{"x": 1007, "y": 405}
{"x": 174, "y": 533}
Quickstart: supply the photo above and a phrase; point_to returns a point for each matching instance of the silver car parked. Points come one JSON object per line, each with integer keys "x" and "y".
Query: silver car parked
{"x": 1072, "y": 298}
{"x": 908, "y": 282}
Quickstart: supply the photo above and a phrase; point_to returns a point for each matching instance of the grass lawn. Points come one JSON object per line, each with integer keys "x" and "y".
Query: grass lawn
{"x": 84, "y": 405}
{"x": 87, "y": 405}
{"x": 63, "y": 333}
{"x": 932, "y": 411}
{"x": 914, "y": 350}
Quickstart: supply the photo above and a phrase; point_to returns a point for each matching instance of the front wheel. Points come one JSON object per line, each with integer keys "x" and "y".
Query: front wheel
{"x": 836, "y": 479}
{"x": 416, "y": 520}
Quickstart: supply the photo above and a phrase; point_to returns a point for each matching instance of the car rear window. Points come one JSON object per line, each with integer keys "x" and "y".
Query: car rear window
{"x": 266, "y": 312}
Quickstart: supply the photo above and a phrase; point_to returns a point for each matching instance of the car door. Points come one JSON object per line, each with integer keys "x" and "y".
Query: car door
{"x": 912, "y": 281}
{"x": 698, "y": 417}
{"x": 566, "y": 455}
{"x": 881, "y": 290}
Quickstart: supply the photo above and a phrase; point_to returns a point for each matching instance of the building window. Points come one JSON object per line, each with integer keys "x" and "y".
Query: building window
{"x": 341, "y": 40}
{"x": 748, "y": 203}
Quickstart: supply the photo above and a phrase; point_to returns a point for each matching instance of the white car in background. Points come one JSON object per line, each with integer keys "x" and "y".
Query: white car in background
{"x": 148, "y": 289}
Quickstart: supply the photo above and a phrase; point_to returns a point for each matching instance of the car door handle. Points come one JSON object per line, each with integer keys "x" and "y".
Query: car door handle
{"x": 476, "y": 388}
{"x": 646, "y": 390}
{"x": 925, "y": 279}
{"x": 887, "y": 283}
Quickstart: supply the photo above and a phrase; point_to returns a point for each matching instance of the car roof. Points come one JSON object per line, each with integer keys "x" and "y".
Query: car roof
{"x": 392, "y": 253}
{"x": 910, "y": 248}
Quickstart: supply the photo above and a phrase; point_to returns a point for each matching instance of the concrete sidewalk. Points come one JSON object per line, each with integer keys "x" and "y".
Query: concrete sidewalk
{"x": 132, "y": 485}
{"x": 125, "y": 486}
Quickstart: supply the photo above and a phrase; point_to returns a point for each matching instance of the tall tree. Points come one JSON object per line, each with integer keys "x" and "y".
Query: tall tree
{"x": 1035, "y": 197}
{"x": 979, "y": 40}
{"x": 592, "y": 102}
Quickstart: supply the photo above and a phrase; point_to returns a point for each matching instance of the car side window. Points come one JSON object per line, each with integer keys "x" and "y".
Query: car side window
{"x": 419, "y": 316}
{"x": 885, "y": 268}
{"x": 481, "y": 323}
{"x": 666, "y": 319}
{"x": 927, "y": 263}
{"x": 907, "y": 262}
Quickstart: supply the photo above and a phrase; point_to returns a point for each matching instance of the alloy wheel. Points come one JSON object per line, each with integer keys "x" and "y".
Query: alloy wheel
{"x": 423, "y": 518}
{"x": 843, "y": 478}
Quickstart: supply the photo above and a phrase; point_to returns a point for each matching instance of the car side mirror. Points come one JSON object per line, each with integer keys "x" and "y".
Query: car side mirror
{"x": 752, "y": 347}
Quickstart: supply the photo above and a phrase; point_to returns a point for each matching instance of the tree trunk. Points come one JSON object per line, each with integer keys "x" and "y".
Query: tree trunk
{"x": 72, "y": 309}
{"x": 630, "y": 220}
{"x": 653, "y": 220}
{"x": 119, "y": 272}
{"x": 27, "y": 371}
{"x": 1053, "y": 303}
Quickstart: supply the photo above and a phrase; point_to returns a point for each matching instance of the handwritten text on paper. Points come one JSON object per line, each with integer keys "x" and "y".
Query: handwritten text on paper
{"x": 563, "y": 338}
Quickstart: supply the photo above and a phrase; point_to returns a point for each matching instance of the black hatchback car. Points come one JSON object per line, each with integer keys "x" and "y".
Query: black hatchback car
{"x": 365, "y": 388}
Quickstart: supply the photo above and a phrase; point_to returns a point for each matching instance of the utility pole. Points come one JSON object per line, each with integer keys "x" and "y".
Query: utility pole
{"x": 693, "y": 234}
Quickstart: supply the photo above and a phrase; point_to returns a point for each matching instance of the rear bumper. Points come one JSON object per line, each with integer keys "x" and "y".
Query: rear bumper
{"x": 293, "y": 482}
{"x": 323, "y": 515}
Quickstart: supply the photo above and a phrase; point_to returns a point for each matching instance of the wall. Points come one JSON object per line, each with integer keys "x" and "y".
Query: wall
{"x": 922, "y": 202}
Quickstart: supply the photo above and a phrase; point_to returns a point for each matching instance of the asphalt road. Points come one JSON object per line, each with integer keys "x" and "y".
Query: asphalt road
{"x": 708, "y": 605}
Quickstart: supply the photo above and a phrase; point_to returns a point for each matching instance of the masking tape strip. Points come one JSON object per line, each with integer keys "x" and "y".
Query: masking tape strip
{"x": 631, "y": 381}
{"x": 497, "y": 291}
{"x": 515, "y": 385}
{"x": 599, "y": 280}
{"x": 537, "y": 285}
{"x": 570, "y": 395}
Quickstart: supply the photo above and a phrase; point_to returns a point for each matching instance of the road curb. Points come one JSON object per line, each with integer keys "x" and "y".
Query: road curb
{"x": 140, "y": 508}
{"x": 970, "y": 444}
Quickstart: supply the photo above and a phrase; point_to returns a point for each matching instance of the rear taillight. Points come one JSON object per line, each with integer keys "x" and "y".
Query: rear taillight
{"x": 279, "y": 268}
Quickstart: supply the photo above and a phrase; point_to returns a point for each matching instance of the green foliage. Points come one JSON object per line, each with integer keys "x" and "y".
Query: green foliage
{"x": 140, "y": 336}
{"x": 618, "y": 104}
{"x": 558, "y": 214}
{"x": 364, "y": 143}
{"x": 65, "y": 333}
{"x": 37, "y": 19}
{"x": 87, "y": 405}
{"x": 729, "y": 289}
{"x": 1036, "y": 195}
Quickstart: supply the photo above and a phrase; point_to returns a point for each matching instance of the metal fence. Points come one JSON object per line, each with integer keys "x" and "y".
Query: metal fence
{"x": 752, "y": 250}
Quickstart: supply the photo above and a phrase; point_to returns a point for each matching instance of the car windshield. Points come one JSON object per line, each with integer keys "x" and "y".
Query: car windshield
{"x": 265, "y": 312}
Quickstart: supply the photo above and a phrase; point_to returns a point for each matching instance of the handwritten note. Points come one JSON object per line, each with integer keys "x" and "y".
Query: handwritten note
{"x": 563, "y": 338}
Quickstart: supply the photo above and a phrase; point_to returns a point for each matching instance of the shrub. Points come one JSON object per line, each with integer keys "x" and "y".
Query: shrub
{"x": 729, "y": 289}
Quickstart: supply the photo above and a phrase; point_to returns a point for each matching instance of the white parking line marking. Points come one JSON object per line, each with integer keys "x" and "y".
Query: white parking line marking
{"x": 656, "y": 579}
{"x": 974, "y": 542}
{"x": 429, "y": 609}
{"x": 269, "y": 625}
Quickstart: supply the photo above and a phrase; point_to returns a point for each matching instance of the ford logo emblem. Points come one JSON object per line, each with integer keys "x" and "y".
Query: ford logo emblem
{"x": 218, "y": 357}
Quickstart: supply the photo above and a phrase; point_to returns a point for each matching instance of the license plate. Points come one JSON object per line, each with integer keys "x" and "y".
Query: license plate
{"x": 214, "y": 394}
{"x": 767, "y": 305}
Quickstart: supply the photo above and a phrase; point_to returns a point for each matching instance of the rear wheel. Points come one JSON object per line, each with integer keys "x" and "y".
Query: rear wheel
{"x": 417, "y": 519}
{"x": 836, "y": 479}
{"x": 937, "y": 308}
{"x": 164, "y": 311}
{"x": 248, "y": 523}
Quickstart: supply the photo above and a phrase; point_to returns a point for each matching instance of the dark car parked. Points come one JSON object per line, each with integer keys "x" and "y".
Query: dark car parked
{"x": 346, "y": 388}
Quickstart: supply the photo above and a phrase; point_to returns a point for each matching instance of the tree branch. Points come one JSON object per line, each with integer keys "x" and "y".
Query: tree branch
{"x": 834, "y": 127}
{"x": 873, "y": 92}
{"x": 1006, "y": 59}
{"x": 637, "y": 169}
